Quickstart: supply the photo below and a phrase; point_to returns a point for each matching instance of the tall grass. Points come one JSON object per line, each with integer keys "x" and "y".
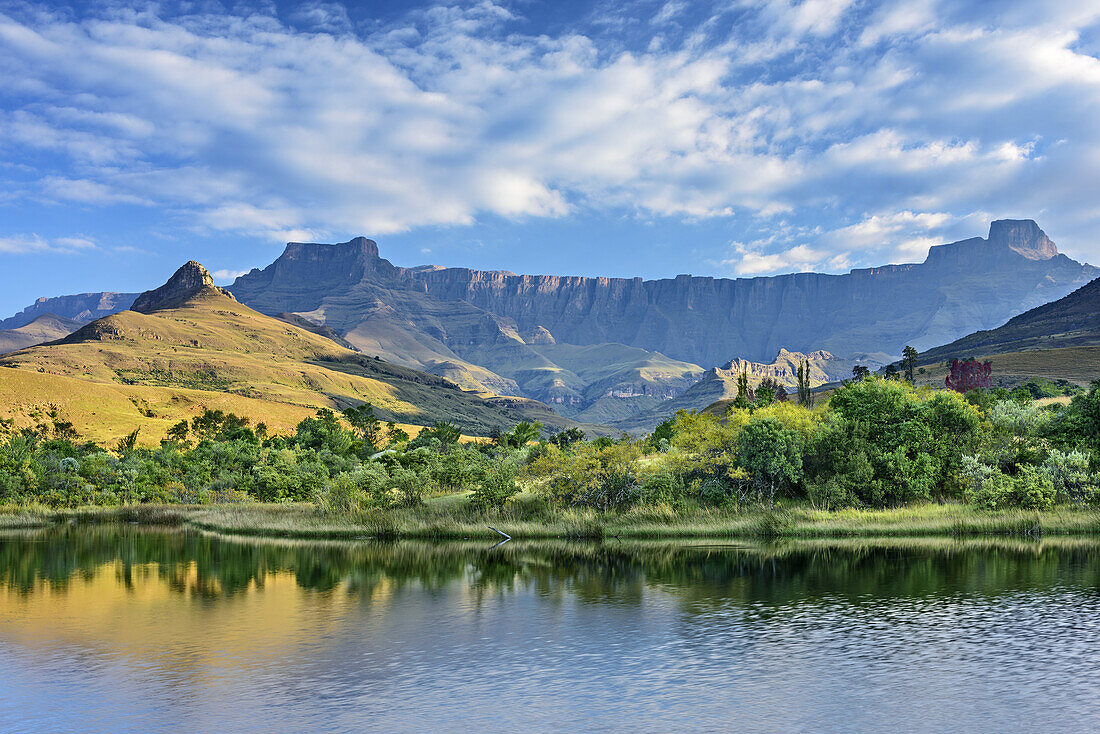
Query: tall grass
{"x": 534, "y": 519}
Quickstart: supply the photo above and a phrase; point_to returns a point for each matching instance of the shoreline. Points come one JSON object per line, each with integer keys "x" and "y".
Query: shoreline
{"x": 440, "y": 522}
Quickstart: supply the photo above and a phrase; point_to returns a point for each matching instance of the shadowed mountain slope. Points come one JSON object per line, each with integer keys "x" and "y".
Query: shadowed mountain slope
{"x": 82, "y": 307}
{"x": 1072, "y": 321}
{"x": 45, "y": 328}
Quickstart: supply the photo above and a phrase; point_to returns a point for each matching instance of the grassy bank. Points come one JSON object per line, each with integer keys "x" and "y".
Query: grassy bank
{"x": 449, "y": 519}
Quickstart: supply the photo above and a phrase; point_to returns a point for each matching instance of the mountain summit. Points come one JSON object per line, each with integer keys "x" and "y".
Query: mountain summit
{"x": 189, "y": 281}
{"x": 1023, "y": 236}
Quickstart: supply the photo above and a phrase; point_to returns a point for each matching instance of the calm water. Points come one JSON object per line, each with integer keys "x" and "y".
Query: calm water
{"x": 109, "y": 630}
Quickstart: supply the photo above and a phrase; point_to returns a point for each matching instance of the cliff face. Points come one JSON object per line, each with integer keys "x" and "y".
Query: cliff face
{"x": 975, "y": 283}
{"x": 963, "y": 286}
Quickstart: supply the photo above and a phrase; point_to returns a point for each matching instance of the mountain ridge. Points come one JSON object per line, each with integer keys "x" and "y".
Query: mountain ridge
{"x": 1070, "y": 321}
{"x": 972, "y": 283}
{"x": 44, "y": 328}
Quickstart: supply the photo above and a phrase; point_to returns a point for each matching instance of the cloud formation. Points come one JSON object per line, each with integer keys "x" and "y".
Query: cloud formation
{"x": 826, "y": 129}
{"x": 22, "y": 244}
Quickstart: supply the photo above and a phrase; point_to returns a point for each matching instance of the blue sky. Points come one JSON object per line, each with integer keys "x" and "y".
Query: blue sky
{"x": 737, "y": 138}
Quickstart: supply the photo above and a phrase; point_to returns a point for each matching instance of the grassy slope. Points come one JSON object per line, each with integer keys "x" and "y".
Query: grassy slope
{"x": 1059, "y": 340}
{"x": 154, "y": 369}
{"x": 1076, "y": 364}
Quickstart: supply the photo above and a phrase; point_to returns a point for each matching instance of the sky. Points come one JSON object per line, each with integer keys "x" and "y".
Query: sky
{"x": 732, "y": 139}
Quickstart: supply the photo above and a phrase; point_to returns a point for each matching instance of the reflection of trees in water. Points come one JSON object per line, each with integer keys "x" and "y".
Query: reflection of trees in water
{"x": 618, "y": 573}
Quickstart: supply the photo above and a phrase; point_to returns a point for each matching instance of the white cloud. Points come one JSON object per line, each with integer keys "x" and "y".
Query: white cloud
{"x": 20, "y": 244}
{"x": 227, "y": 276}
{"x": 875, "y": 118}
{"x": 750, "y": 261}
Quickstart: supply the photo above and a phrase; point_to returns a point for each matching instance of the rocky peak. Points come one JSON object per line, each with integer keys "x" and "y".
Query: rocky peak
{"x": 306, "y": 272}
{"x": 1023, "y": 236}
{"x": 186, "y": 283}
{"x": 538, "y": 335}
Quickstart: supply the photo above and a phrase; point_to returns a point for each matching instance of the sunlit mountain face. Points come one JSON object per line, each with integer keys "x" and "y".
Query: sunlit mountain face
{"x": 639, "y": 139}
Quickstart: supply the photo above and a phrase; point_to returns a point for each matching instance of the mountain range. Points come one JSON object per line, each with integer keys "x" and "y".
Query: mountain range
{"x": 627, "y": 351}
{"x": 190, "y": 345}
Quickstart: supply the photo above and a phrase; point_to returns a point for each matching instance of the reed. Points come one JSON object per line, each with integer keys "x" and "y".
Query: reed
{"x": 531, "y": 519}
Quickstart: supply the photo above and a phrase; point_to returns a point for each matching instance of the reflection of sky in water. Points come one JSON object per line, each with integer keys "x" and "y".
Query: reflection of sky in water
{"x": 640, "y": 644}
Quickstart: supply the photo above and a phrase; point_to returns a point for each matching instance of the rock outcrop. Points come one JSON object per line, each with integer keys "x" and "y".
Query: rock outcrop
{"x": 824, "y": 367}
{"x": 1023, "y": 236}
{"x": 190, "y": 281}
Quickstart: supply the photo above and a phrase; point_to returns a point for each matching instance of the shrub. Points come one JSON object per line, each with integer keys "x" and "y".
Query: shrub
{"x": 604, "y": 477}
{"x": 1070, "y": 474}
{"x": 832, "y": 493}
{"x": 661, "y": 488}
{"x": 1016, "y": 418}
{"x": 992, "y": 489}
{"x": 495, "y": 488}
{"x": 772, "y": 454}
{"x": 352, "y": 492}
{"x": 408, "y": 486}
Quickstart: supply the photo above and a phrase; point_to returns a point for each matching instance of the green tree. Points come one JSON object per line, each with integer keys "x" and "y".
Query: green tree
{"x": 565, "y": 438}
{"x": 743, "y": 386}
{"x": 805, "y": 394}
{"x": 495, "y": 488}
{"x": 127, "y": 444}
{"x": 772, "y": 454}
{"x": 363, "y": 420}
{"x": 522, "y": 434}
{"x": 448, "y": 434}
{"x": 909, "y": 360}
{"x": 860, "y": 371}
{"x": 178, "y": 432}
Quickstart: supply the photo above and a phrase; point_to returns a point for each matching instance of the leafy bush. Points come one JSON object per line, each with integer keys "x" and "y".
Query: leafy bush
{"x": 772, "y": 455}
{"x": 495, "y": 488}
{"x": 1072, "y": 478}
{"x": 991, "y": 489}
{"x": 1018, "y": 419}
{"x": 661, "y": 488}
{"x": 604, "y": 477}
{"x": 354, "y": 491}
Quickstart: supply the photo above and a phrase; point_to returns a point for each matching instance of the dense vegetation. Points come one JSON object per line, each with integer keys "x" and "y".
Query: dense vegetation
{"x": 875, "y": 443}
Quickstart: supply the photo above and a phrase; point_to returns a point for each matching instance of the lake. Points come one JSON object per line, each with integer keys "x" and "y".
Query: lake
{"x": 114, "y": 629}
